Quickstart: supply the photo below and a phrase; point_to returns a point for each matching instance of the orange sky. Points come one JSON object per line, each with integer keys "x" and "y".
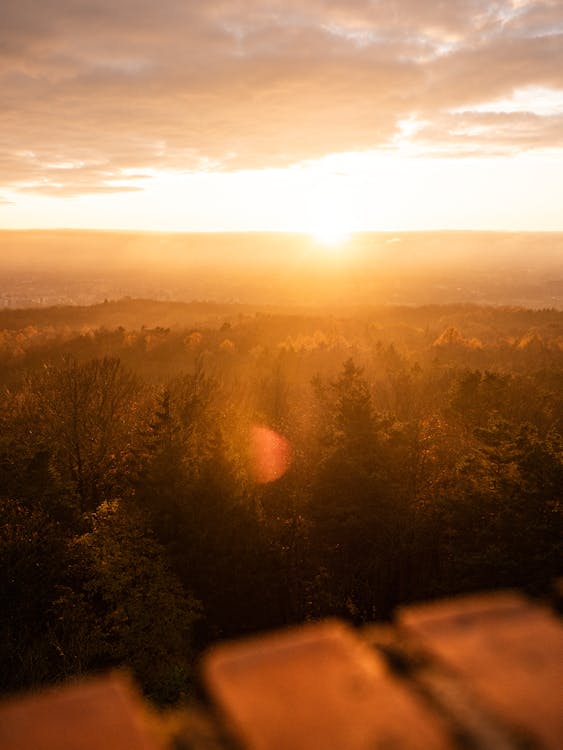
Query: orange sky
{"x": 257, "y": 114}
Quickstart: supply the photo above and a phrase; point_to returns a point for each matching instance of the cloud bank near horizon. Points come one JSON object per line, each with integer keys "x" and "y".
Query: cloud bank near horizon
{"x": 98, "y": 95}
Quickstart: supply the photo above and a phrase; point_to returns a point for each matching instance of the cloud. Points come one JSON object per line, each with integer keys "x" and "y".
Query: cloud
{"x": 472, "y": 133}
{"x": 106, "y": 88}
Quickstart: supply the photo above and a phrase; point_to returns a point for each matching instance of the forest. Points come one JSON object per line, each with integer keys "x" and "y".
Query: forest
{"x": 174, "y": 474}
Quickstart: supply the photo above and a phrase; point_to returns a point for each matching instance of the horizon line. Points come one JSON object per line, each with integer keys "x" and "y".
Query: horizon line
{"x": 294, "y": 232}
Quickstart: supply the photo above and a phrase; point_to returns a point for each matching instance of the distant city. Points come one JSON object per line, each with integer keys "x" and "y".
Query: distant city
{"x": 45, "y": 290}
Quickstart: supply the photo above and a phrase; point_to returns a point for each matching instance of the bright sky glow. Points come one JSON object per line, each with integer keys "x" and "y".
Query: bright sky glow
{"x": 325, "y": 117}
{"x": 327, "y": 198}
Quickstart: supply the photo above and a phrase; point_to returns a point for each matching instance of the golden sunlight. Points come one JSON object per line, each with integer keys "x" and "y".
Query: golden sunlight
{"x": 331, "y": 235}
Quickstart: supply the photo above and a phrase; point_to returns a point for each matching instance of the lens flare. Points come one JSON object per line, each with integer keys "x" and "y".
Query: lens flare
{"x": 270, "y": 454}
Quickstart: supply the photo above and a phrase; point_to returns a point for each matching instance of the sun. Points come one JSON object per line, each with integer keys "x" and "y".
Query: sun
{"x": 331, "y": 236}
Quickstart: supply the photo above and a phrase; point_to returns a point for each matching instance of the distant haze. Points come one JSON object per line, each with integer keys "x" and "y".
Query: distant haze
{"x": 76, "y": 267}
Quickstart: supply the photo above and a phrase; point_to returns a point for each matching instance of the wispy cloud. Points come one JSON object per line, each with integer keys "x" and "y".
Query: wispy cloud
{"x": 110, "y": 87}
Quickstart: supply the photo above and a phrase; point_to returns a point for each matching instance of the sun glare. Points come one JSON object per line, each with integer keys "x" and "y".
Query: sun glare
{"x": 331, "y": 237}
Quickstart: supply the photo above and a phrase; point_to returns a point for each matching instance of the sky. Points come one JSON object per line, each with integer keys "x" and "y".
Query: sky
{"x": 325, "y": 116}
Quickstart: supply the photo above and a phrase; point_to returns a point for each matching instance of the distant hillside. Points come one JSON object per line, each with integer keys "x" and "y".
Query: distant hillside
{"x": 126, "y": 313}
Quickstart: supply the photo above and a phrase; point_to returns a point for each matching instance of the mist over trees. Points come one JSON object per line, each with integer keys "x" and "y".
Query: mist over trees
{"x": 425, "y": 458}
